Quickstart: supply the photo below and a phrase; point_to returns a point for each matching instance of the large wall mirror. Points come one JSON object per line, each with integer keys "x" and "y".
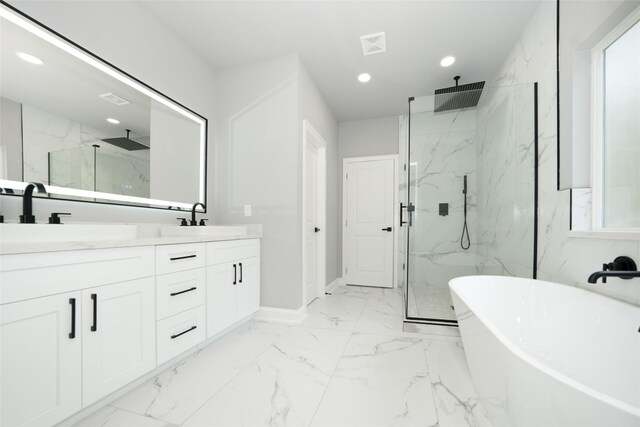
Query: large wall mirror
{"x": 599, "y": 112}
{"x": 89, "y": 131}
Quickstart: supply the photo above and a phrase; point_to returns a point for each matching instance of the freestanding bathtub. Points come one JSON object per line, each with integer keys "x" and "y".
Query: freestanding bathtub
{"x": 544, "y": 354}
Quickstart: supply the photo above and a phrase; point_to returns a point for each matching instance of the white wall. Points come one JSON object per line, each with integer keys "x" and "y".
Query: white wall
{"x": 360, "y": 138}
{"x": 314, "y": 108}
{"x": 11, "y": 137}
{"x": 561, "y": 257}
{"x": 143, "y": 48}
{"x": 259, "y": 162}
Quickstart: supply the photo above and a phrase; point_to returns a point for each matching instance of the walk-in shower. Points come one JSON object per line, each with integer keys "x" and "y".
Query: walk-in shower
{"x": 479, "y": 162}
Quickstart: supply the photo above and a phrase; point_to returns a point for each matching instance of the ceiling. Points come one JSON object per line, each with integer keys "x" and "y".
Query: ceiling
{"x": 326, "y": 35}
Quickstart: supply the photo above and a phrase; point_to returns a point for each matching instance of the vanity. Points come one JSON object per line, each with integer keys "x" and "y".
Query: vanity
{"x": 83, "y": 323}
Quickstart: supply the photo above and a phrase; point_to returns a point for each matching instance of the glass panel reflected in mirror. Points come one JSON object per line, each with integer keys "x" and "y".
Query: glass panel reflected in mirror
{"x": 88, "y": 130}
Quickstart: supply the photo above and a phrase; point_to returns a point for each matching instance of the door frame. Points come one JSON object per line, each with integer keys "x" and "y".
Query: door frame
{"x": 396, "y": 217}
{"x": 310, "y": 135}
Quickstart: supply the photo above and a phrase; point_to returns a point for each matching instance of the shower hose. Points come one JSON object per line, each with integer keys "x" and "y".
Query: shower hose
{"x": 465, "y": 229}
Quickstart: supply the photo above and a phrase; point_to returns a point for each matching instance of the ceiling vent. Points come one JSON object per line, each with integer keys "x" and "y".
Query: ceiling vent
{"x": 373, "y": 43}
{"x": 114, "y": 99}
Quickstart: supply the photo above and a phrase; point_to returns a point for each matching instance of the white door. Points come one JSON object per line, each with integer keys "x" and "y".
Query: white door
{"x": 311, "y": 225}
{"x": 118, "y": 336}
{"x": 40, "y": 361}
{"x": 369, "y": 227}
{"x": 248, "y": 288}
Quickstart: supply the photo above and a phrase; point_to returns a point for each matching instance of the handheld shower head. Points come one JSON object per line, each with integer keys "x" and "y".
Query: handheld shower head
{"x": 464, "y": 190}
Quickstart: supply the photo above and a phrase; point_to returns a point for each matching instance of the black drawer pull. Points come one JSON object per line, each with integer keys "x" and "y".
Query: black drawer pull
{"x": 235, "y": 274}
{"x": 183, "y": 332}
{"x": 173, "y": 294}
{"x": 182, "y": 257}
{"x": 240, "y": 281}
{"x": 72, "y": 334}
{"x": 94, "y": 298}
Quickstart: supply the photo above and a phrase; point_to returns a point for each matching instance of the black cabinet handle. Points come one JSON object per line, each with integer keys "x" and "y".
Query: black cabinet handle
{"x": 387, "y": 229}
{"x": 316, "y": 229}
{"x": 94, "y": 298}
{"x": 72, "y": 334}
{"x": 183, "y": 332}
{"x": 240, "y": 273}
{"x": 182, "y": 257}
{"x": 173, "y": 294}
{"x": 235, "y": 274}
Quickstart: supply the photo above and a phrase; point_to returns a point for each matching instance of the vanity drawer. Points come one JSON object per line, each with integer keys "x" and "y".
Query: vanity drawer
{"x": 172, "y": 258}
{"x": 25, "y": 276}
{"x": 179, "y": 333}
{"x": 178, "y": 292}
{"x": 221, "y": 252}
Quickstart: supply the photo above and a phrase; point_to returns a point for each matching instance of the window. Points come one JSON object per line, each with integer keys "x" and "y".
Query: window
{"x": 616, "y": 127}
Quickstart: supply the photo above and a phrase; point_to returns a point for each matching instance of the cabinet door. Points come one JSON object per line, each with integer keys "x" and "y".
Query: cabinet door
{"x": 221, "y": 297}
{"x": 118, "y": 336}
{"x": 248, "y": 289}
{"x": 40, "y": 360}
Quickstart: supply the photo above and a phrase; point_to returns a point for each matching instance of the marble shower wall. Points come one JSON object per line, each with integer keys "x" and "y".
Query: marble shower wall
{"x": 72, "y": 161}
{"x": 443, "y": 150}
{"x": 562, "y": 257}
{"x": 506, "y": 179}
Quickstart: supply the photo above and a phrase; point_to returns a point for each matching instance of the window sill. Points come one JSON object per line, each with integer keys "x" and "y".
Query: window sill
{"x": 621, "y": 234}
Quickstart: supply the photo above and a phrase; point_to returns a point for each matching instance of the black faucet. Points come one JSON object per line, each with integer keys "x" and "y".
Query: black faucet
{"x": 193, "y": 213}
{"x": 27, "y": 216}
{"x": 622, "y": 267}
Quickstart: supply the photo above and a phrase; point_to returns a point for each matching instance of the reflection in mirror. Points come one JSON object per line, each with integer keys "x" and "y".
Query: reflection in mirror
{"x": 89, "y": 131}
{"x": 599, "y": 47}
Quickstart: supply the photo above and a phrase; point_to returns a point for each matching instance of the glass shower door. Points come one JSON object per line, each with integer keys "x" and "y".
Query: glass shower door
{"x": 471, "y": 185}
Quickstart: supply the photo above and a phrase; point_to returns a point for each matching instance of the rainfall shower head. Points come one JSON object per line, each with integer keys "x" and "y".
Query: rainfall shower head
{"x": 458, "y": 96}
{"x": 126, "y": 143}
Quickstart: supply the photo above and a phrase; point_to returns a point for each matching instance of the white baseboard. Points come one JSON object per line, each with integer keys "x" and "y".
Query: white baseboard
{"x": 333, "y": 285}
{"x": 281, "y": 315}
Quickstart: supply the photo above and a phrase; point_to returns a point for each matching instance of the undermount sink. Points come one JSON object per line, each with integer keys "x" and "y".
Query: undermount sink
{"x": 208, "y": 231}
{"x": 35, "y": 233}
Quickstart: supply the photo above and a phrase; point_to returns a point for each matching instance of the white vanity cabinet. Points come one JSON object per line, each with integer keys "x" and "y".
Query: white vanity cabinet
{"x": 53, "y": 363}
{"x": 40, "y": 358}
{"x": 118, "y": 336}
{"x": 181, "y": 314}
{"x": 233, "y": 282}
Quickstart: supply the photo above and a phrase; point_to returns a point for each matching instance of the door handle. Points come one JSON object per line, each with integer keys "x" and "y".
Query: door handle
{"x": 94, "y": 298}
{"x": 387, "y": 229}
{"x": 235, "y": 274}
{"x": 316, "y": 229}
{"x": 72, "y": 334}
{"x": 402, "y": 206}
{"x": 240, "y": 281}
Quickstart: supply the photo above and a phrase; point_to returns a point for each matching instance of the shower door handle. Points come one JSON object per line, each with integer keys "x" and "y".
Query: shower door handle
{"x": 402, "y": 206}
{"x": 411, "y": 208}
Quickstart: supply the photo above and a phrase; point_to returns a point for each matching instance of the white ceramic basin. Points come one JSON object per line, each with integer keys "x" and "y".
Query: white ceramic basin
{"x": 34, "y": 233}
{"x": 208, "y": 231}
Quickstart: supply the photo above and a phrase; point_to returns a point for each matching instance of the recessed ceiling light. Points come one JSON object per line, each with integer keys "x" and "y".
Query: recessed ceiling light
{"x": 30, "y": 58}
{"x": 447, "y": 61}
{"x": 114, "y": 121}
{"x": 364, "y": 77}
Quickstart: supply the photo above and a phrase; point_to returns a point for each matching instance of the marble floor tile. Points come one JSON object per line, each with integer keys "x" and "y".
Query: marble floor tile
{"x": 383, "y": 313}
{"x": 177, "y": 393}
{"x": 282, "y": 387}
{"x": 114, "y": 417}
{"x": 339, "y": 311}
{"x": 380, "y": 381}
{"x": 455, "y": 396}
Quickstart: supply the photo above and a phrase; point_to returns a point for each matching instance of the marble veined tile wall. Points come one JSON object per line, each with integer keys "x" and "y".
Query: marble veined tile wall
{"x": 561, "y": 257}
{"x": 506, "y": 180}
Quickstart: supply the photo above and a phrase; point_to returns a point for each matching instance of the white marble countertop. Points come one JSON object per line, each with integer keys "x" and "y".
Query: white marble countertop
{"x": 144, "y": 238}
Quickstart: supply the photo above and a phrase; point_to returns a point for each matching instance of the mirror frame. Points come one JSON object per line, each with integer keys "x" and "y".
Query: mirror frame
{"x": 38, "y": 29}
